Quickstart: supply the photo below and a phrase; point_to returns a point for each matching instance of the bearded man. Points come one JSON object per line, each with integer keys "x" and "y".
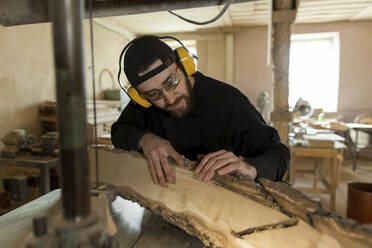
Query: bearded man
{"x": 193, "y": 115}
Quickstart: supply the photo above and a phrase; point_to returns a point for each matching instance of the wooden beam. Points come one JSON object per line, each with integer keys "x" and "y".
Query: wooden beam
{"x": 305, "y": 3}
{"x": 36, "y": 11}
{"x": 366, "y": 13}
{"x": 328, "y": 11}
{"x": 281, "y": 32}
{"x": 332, "y": 8}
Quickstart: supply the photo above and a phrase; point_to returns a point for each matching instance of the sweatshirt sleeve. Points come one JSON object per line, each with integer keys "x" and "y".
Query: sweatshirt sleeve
{"x": 257, "y": 142}
{"x": 272, "y": 163}
{"x": 129, "y": 128}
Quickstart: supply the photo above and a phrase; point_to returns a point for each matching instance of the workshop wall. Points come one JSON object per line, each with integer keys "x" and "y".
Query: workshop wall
{"x": 27, "y": 71}
{"x": 211, "y": 57}
{"x": 252, "y": 75}
{"x": 26, "y": 75}
{"x": 107, "y": 47}
{"x": 355, "y": 64}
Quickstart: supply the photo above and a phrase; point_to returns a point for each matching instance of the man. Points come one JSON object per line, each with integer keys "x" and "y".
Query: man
{"x": 190, "y": 116}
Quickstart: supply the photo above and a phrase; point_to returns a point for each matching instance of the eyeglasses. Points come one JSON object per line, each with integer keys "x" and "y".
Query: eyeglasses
{"x": 168, "y": 85}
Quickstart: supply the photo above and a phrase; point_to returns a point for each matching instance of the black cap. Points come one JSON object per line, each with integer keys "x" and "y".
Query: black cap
{"x": 141, "y": 54}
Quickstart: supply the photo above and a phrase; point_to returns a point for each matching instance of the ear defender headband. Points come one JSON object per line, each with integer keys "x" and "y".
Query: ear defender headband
{"x": 181, "y": 55}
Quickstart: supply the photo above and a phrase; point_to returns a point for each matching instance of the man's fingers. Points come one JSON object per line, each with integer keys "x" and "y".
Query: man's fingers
{"x": 152, "y": 172}
{"x": 206, "y": 167}
{"x": 227, "y": 169}
{"x": 158, "y": 150}
{"x": 218, "y": 160}
{"x": 159, "y": 173}
{"x": 219, "y": 164}
{"x": 177, "y": 157}
{"x": 206, "y": 159}
{"x": 167, "y": 170}
{"x": 208, "y": 176}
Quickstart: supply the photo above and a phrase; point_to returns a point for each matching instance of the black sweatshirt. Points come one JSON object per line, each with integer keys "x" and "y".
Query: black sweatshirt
{"x": 221, "y": 118}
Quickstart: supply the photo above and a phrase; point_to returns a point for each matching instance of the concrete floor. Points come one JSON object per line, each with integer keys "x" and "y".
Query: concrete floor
{"x": 363, "y": 173}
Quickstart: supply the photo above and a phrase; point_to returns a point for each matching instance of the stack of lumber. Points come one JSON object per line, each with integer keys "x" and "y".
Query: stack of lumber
{"x": 49, "y": 143}
{"x": 48, "y": 116}
{"x": 107, "y": 112}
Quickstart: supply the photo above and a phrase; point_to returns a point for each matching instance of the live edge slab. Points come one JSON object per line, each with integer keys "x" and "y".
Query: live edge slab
{"x": 216, "y": 211}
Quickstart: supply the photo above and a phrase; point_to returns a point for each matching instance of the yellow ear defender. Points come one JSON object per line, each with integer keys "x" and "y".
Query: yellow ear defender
{"x": 135, "y": 96}
{"x": 185, "y": 60}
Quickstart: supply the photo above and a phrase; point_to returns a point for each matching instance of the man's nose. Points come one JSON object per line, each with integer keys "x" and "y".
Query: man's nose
{"x": 169, "y": 97}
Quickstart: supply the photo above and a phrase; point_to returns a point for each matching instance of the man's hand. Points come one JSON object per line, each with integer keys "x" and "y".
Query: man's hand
{"x": 223, "y": 162}
{"x": 157, "y": 151}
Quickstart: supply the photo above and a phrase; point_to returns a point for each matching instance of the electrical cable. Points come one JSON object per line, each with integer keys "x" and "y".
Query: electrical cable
{"x": 227, "y": 5}
{"x": 94, "y": 89}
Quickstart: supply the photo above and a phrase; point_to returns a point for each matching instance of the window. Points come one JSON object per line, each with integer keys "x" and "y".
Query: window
{"x": 314, "y": 70}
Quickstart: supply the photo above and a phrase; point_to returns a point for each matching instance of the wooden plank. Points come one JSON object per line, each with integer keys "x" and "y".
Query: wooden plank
{"x": 324, "y": 136}
{"x": 16, "y": 224}
{"x": 135, "y": 225}
{"x": 345, "y": 12}
{"x": 308, "y": 3}
{"x": 323, "y": 16}
{"x": 204, "y": 210}
{"x": 332, "y": 8}
{"x": 313, "y": 152}
{"x": 365, "y": 13}
{"x": 321, "y": 143}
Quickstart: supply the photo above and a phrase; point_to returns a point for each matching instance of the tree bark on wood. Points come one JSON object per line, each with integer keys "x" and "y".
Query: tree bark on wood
{"x": 214, "y": 211}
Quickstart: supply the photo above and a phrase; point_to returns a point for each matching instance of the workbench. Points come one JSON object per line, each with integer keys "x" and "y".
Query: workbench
{"x": 357, "y": 127}
{"x": 43, "y": 163}
{"x": 137, "y": 227}
{"x": 329, "y": 168}
{"x": 345, "y": 129}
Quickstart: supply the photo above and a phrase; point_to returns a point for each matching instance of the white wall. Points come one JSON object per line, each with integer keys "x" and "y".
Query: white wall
{"x": 27, "y": 71}
{"x": 26, "y": 75}
{"x": 251, "y": 73}
{"x": 211, "y": 57}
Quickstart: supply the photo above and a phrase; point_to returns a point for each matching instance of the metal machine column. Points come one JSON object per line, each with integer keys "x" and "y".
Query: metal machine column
{"x": 71, "y": 105}
{"x": 79, "y": 227}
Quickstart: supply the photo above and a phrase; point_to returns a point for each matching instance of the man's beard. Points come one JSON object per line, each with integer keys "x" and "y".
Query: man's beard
{"x": 182, "y": 112}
